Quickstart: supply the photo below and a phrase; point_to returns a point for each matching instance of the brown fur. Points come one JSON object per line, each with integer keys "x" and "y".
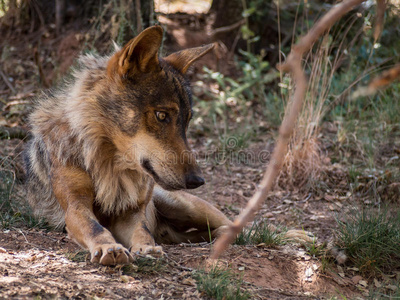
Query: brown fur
{"x": 104, "y": 162}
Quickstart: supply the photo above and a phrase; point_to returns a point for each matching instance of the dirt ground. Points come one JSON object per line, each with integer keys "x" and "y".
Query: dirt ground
{"x": 45, "y": 264}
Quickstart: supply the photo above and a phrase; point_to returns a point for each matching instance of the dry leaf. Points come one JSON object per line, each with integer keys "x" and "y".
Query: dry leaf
{"x": 126, "y": 278}
{"x": 377, "y": 283}
{"x": 188, "y": 281}
{"x": 364, "y": 283}
{"x": 391, "y": 287}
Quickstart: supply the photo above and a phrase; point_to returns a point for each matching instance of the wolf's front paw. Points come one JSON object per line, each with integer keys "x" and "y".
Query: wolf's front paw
{"x": 111, "y": 254}
{"x": 146, "y": 249}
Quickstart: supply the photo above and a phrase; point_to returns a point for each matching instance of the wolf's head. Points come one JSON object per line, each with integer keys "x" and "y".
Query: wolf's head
{"x": 149, "y": 103}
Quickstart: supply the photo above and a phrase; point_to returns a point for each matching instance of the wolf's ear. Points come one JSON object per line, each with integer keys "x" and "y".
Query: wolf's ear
{"x": 139, "y": 55}
{"x": 182, "y": 60}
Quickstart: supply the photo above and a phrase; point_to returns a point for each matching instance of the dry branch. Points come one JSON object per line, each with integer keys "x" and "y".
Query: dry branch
{"x": 386, "y": 78}
{"x": 380, "y": 82}
{"x": 292, "y": 65}
{"x": 380, "y": 16}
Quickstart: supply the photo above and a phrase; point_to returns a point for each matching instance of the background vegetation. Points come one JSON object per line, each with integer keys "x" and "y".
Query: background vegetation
{"x": 344, "y": 148}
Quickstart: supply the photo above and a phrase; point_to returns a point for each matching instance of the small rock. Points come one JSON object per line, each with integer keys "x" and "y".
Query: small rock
{"x": 309, "y": 272}
{"x": 356, "y": 279}
{"x": 126, "y": 278}
{"x": 341, "y": 257}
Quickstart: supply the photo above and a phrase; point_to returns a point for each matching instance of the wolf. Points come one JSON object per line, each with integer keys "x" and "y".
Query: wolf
{"x": 109, "y": 158}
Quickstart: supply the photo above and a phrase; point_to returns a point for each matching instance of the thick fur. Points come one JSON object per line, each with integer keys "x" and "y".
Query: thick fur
{"x": 103, "y": 163}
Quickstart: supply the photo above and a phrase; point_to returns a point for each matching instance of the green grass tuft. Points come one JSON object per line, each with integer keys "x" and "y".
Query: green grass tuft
{"x": 14, "y": 211}
{"x": 315, "y": 250}
{"x": 371, "y": 240}
{"x": 262, "y": 233}
{"x": 146, "y": 265}
{"x": 220, "y": 283}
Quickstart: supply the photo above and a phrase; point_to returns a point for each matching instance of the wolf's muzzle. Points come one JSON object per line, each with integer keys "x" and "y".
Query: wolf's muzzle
{"x": 193, "y": 181}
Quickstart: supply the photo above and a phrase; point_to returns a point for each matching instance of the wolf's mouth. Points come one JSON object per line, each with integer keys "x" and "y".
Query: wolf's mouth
{"x": 149, "y": 169}
{"x": 146, "y": 165}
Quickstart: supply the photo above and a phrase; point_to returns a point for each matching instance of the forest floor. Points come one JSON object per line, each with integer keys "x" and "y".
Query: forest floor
{"x": 45, "y": 264}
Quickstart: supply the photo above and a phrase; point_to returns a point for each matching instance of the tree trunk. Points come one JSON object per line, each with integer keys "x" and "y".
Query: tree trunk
{"x": 261, "y": 22}
{"x": 225, "y": 13}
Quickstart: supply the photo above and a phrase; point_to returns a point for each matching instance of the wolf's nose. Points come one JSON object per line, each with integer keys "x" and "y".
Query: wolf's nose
{"x": 193, "y": 181}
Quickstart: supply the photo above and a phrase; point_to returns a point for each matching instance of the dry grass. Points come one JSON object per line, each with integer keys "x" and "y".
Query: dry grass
{"x": 304, "y": 162}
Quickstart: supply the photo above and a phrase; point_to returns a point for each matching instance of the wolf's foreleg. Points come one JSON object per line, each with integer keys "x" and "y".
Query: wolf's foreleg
{"x": 74, "y": 190}
{"x": 132, "y": 229}
{"x": 135, "y": 227}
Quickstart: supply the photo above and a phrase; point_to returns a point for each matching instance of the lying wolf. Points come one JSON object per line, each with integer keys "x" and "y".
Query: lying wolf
{"x": 109, "y": 154}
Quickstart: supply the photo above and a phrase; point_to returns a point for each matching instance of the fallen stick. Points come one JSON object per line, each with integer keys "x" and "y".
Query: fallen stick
{"x": 292, "y": 65}
{"x": 7, "y": 82}
{"x": 12, "y": 133}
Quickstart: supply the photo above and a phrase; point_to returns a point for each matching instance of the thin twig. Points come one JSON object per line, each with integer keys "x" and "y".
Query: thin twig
{"x": 38, "y": 61}
{"x": 20, "y": 231}
{"x": 380, "y": 82}
{"x": 17, "y": 102}
{"x": 226, "y": 29}
{"x": 292, "y": 65}
{"x": 178, "y": 265}
{"x": 386, "y": 78}
{"x": 7, "y": 82}
{"x": 29, "y": 243}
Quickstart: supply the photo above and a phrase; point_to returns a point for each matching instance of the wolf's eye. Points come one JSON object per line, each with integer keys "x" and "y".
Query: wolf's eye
{"x": 161, "y": 116}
